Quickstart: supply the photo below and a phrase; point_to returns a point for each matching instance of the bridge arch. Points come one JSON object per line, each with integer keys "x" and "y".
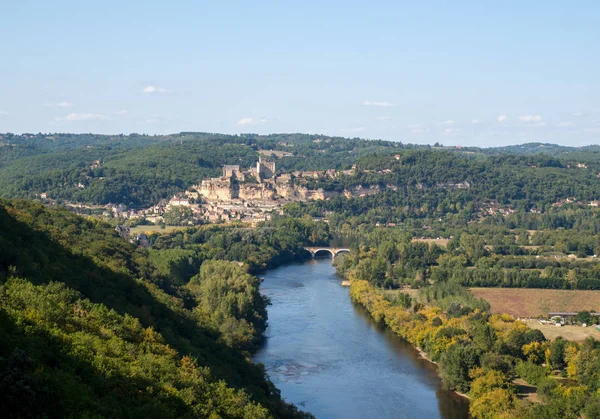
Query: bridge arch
{"x": 342, "y": 252}
{"x": 322, "y": 252}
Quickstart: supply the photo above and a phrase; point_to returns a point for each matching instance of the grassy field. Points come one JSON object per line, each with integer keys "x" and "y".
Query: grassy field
{"x": 521, "y": 302}
{"x": 526, "y": 391}
{"x": 575, "y": 333}
{"x": 439, "y": 242}
{"x": 154, "y": 229}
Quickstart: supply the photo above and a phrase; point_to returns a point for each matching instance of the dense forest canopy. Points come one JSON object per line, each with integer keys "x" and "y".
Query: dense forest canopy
{"x": 92, "y": 325}
{"x": 139, "y": 170}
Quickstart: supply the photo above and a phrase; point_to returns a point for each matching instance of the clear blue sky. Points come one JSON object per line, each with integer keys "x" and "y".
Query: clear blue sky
{"x": 459, "y": 72}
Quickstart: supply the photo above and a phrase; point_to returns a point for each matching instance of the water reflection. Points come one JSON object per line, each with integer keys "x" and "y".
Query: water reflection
{"x": 329, "y": 357}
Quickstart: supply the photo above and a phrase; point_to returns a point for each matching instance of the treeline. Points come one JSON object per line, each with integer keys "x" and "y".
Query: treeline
{"x": 481, "y": 354}
{"x": 520, "y": 278}
{"x": 90, "y": 327}
{"x": 179, "y": 254}
{"x": 396, "y": 260}
{"x": 569, "y": 217}
{"x": 139, "y": 170}
{"x": 428, "y": 184}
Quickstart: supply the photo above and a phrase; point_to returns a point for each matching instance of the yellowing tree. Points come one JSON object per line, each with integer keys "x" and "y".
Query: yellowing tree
{"x": 572, "y": 357}
{"x": 492, "y": 405}
{"x": 534, "y": 352}
{"x": 488, "y": 381}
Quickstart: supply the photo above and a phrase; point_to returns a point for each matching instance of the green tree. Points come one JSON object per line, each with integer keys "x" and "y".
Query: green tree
{"x": 455, "y": 364}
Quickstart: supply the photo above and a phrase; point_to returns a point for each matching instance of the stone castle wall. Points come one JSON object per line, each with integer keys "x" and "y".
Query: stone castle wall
{"x": 270, "y": 186}
{"x": 226, "y": 190}
{"x": 217, "y": 190}
{"x": 265, "y": 169}
{"x": 256, "y": 192}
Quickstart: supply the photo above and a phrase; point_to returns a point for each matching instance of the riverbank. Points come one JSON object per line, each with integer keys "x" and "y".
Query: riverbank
{"x": 487, "y": 357}
{"x": 329, "y": 357}
{"x": 424, "y": 356}
{"x": 393, "y": 317}
{"x": 382, "y": 311}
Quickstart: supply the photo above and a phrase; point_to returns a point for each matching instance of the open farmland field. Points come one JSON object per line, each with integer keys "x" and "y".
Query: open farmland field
{"x": 525, "y": 302}
{"x": 439, "y": 242}
{"x": 154, "y": 229}
{"x": 575, "y": 333}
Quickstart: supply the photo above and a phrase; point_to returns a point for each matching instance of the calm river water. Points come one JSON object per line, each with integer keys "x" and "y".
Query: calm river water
{"x": 329, "y": 358}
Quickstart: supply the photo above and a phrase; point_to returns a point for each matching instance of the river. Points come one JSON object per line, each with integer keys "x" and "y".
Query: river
{"x": 328, "y": 357}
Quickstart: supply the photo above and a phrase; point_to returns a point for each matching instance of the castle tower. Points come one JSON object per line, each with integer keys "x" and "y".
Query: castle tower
{"x": 265, "y": 169}
{"x": 233, "y": 171}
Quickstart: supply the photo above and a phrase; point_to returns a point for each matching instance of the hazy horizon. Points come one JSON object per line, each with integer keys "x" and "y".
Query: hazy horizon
{"x": 441, "y": 144}
{"x": 480, "y": 74}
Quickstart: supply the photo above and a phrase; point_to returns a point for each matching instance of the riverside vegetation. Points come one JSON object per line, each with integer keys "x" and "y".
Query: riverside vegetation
{"x": 478, "y": 354}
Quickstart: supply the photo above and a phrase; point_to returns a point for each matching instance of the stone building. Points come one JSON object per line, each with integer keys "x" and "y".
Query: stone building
{"x": 265, "y": 169}
{"x": 233, "y": 171}
{"x": 219, "y": 189}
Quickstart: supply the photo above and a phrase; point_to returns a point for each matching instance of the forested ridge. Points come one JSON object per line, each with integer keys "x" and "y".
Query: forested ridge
{"x": 429, "y": 184}
{"x": 139, "y": 170}
{"x": 91, "y": 327}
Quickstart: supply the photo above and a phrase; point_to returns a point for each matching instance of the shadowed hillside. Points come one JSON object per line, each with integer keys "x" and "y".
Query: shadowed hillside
{"x": 87, "y": 327}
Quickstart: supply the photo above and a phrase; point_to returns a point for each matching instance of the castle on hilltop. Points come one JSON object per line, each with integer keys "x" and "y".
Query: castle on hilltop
{"x": 262, "y": 184}
{"x": 239, "y": 184}
{"x": 263, "y": 171}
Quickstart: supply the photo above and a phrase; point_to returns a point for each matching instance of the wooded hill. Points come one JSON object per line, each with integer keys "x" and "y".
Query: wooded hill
{"x": 89, "y": 326}
{"x": 139, "y": 170}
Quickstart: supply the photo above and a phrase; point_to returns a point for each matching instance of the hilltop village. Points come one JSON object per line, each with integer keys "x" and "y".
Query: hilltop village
{"x": 249, "y": 195}
{"x": 254, "y": 194}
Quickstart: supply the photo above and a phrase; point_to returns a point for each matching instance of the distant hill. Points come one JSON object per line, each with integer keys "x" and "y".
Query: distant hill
{"x": 542, "y": 148}
{"x": 139, "y": 170}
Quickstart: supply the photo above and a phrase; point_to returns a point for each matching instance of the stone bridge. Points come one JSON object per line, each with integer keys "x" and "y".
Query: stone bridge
{"x": 334, "y": 251}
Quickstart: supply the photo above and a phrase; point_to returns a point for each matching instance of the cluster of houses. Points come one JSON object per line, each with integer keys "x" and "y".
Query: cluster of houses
{"x": 562, "y": 318}
{"x": 253, "y": 195}
{"x": 494, "y": 208}
{"x": 215, "y": 213}
{"x": 199, "y": 211}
